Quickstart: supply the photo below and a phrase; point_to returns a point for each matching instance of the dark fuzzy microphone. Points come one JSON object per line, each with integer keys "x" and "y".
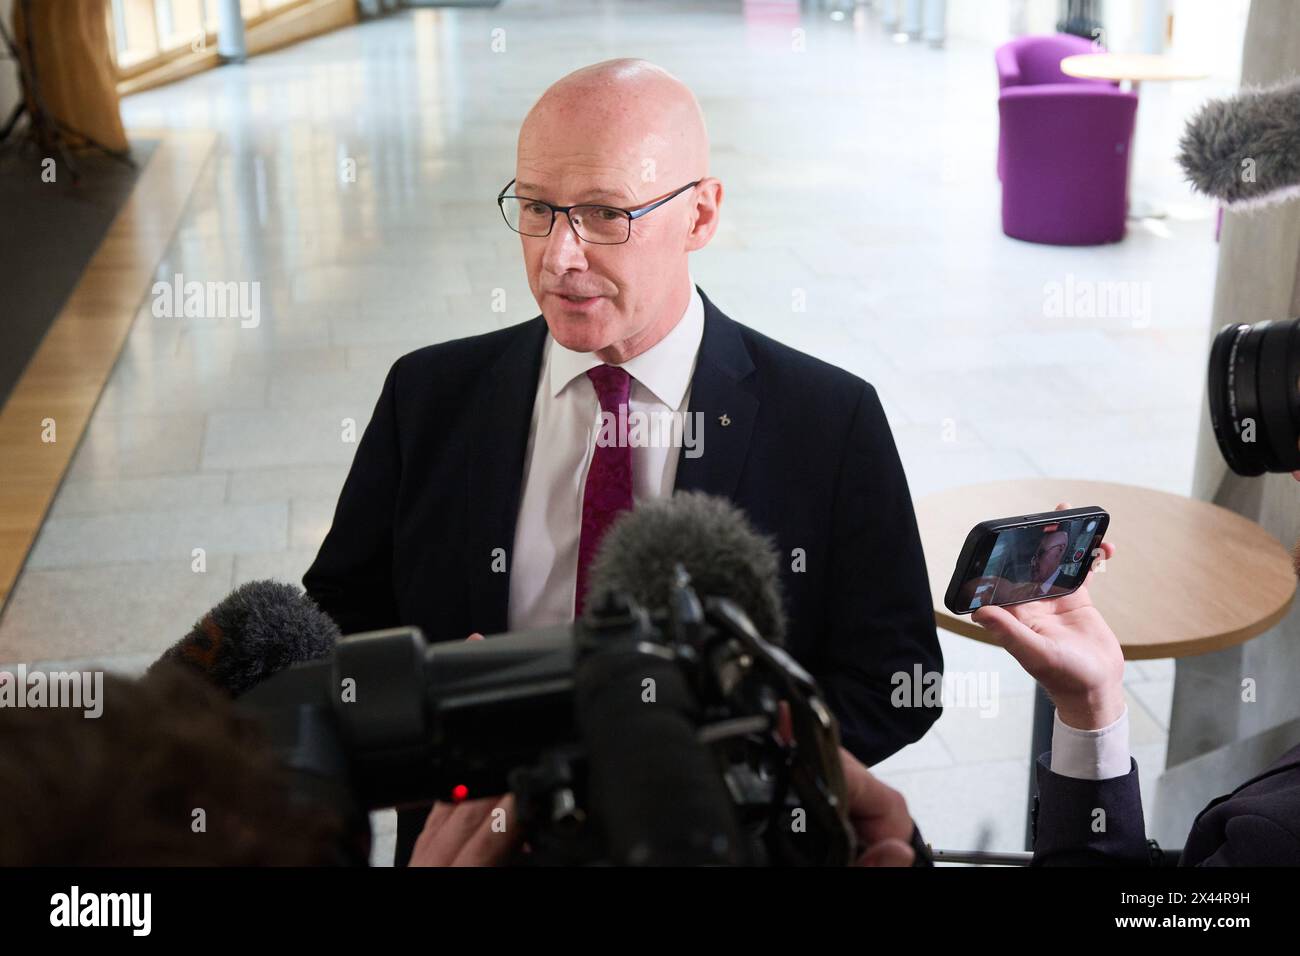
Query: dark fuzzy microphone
{"x": 1245, "y": 150}
{"x": 260, "y": 629}
{"x": 708, "y": 536}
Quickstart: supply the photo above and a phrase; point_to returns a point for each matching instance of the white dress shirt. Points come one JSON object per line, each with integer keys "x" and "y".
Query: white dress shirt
{"x": 1047, "y": 585}
{"x": 561, "y": 441}
{"x": 1091, "y": 754}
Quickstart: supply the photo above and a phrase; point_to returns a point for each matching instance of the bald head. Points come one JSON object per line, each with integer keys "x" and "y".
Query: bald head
{"x": 628, "y": 117}
{"x": 622, "y": 133}
{"x": 1047, "y": 558}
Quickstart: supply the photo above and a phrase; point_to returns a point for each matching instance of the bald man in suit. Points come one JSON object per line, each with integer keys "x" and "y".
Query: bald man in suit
{"x": 480, "y": 488}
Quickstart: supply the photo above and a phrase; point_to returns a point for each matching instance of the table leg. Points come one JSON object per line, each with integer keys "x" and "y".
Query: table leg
{"x": 1040, "y": 741}
{"x": 1138, "y": 207}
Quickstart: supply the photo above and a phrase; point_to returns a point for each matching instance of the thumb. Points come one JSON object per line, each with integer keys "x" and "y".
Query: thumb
{"x": 476, "y": 636}
{"x": 888, "y": 852}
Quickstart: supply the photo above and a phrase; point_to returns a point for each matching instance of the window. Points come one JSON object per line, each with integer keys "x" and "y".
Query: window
{"x": 148, "y": 33}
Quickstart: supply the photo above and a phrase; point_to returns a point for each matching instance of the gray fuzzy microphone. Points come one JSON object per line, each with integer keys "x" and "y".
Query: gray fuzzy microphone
{"x": 711, "y": 538}
{"x": 1245, "y": 150}
{"x": 259, "y": 630}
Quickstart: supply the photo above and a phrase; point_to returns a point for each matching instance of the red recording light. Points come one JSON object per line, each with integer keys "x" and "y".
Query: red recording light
{"x": 459, "y": 792}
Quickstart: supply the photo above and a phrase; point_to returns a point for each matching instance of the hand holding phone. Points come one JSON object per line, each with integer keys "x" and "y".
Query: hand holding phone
{"x": 1067, "y": 646}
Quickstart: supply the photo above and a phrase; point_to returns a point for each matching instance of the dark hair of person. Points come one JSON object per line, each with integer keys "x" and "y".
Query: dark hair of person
{"x": 126, "y": 788}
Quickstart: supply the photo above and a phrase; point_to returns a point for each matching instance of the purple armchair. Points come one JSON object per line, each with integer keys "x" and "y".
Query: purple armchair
{"x": 1036, "y": 60}
{"x": 1033, "y": 61}
{"x": 1065, "y": 151}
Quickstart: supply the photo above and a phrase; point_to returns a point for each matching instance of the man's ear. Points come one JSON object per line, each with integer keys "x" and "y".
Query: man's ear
{"x": 708, "y": 205}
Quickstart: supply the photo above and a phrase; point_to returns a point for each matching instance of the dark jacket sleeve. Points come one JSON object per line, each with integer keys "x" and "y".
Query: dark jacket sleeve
{"x": 1252, "y": 839}
{"x": 352, "y": 576}
{"x": 882, "y": 621}
{"x": 1089, "y": 822}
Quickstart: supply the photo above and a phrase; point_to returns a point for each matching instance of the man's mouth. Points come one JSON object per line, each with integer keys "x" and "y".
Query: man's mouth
{"x": 583, "y": 302}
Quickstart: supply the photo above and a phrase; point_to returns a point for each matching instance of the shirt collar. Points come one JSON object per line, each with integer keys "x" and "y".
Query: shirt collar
{"x": 665, "y": 368}
{"x": 1047, "y": 585}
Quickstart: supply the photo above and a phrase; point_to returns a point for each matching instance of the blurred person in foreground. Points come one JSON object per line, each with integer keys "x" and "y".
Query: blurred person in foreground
{"x": 170, "y": 774}
{"x": 126, "y": 789}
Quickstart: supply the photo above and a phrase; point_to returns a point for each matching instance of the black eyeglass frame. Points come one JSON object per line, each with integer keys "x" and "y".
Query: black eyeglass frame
{"x": 632, "y": 214}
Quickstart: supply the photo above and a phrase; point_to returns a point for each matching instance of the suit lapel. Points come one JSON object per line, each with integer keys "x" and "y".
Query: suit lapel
{"x": 503, "y": 412}
{"x": 724, "y": 392}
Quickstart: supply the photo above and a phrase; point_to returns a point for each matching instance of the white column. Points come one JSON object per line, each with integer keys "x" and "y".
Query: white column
{"x": 1208, "y": 710}
{"x": 889, "y": 13}
{"x": 230, "y": 32}
{"x": 936, "y": 16}
{"x": 1153, "y": 25}
{"x": 911, "y": 24}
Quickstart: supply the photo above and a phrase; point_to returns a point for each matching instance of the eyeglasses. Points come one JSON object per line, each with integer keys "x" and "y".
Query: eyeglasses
{"x": 601, "y": 225}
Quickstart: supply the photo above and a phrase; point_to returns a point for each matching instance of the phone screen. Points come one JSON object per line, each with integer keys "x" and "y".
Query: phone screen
{"x": 1043, "y": 560}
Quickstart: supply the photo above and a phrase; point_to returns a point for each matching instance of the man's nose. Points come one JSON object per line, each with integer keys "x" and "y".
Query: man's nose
{"x": 563, "y": 247}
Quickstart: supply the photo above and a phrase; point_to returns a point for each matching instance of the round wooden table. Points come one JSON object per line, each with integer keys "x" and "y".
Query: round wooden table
{"x": 1188, "y": 577}
{"x": 1135, "y": 69}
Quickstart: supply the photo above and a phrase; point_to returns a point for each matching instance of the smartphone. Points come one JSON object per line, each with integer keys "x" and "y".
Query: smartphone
{"x": 1026, "y": 558}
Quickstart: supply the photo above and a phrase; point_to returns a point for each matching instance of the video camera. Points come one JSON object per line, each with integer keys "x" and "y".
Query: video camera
{"x": 634, "y": 736}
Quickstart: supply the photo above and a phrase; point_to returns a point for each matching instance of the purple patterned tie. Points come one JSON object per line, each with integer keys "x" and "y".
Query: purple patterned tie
{"x": 608, "y": 491}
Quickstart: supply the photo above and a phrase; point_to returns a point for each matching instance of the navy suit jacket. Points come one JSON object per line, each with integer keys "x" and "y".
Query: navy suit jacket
{"x": 807, "y": 453}
{"x": 1258, "y": 824}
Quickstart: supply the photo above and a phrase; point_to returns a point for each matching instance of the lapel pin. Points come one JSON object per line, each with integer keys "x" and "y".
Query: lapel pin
{"x": 724, "y": 420}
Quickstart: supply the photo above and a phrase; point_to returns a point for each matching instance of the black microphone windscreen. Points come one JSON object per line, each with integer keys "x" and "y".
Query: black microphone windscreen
{"x": 1245, "y": 150}
{"x": 258, "y": 630}
{"x": 711, "y": 538}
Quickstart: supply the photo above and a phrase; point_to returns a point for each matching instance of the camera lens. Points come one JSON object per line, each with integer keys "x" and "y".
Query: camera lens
{"x": 1254, "y": 386}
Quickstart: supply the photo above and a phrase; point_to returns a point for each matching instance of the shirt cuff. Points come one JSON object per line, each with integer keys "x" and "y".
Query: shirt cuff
{"x": 1091, "y": 754}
